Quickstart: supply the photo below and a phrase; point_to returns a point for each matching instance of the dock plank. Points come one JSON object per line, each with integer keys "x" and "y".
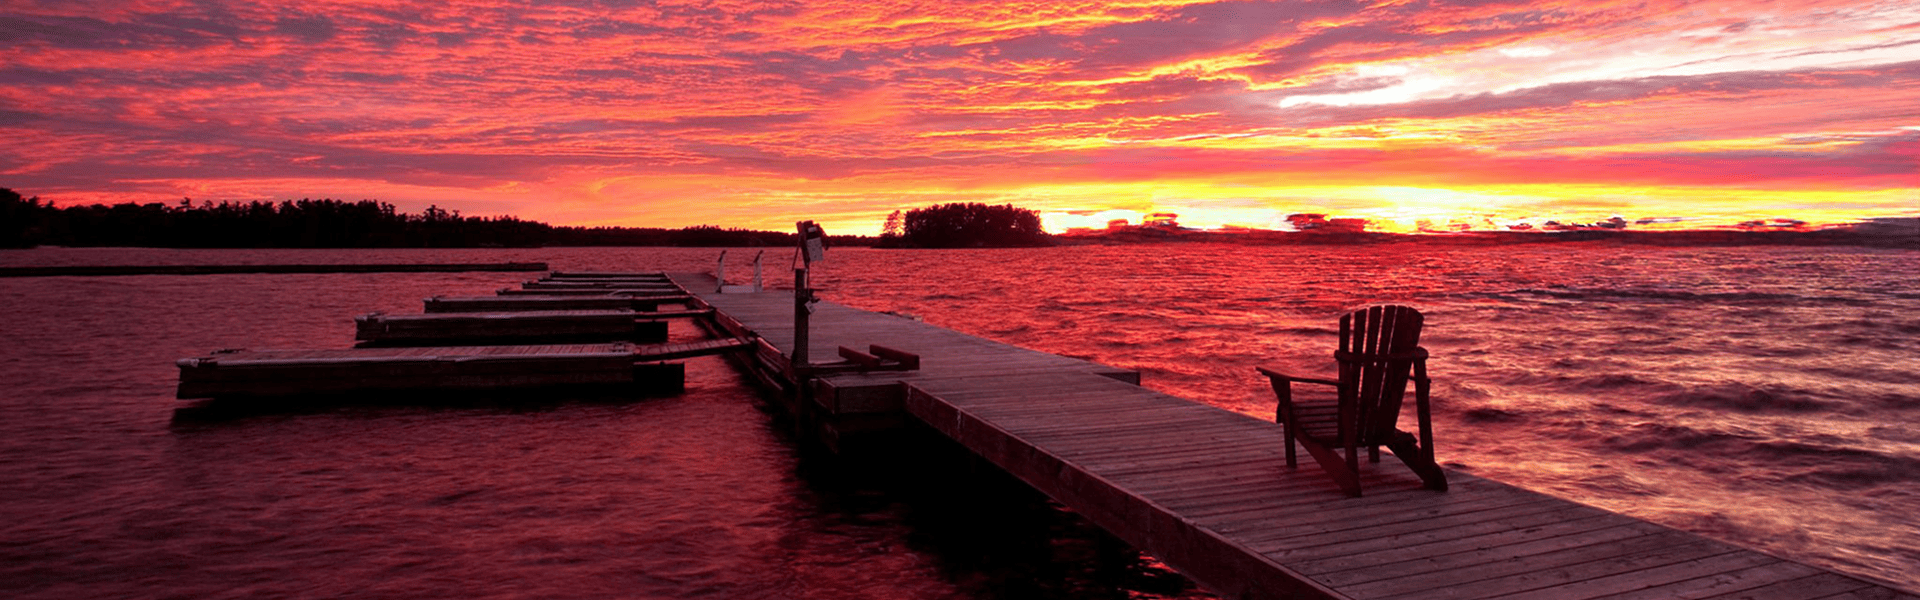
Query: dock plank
{"x": 1773, "y": 581}
{"x": 1554, "y": 574}
{"x": 1513, "y": 525}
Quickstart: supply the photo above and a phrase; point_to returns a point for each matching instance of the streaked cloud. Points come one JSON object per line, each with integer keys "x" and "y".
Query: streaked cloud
{"x": 756, "y": 114}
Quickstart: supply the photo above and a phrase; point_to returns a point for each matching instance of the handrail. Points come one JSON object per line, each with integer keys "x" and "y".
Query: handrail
{"x": 756, "y": 270}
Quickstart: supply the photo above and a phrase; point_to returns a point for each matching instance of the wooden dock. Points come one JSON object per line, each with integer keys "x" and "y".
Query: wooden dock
{"x": 1207, "y": 491}
{"x": 391, "y": 359}
{"x": 545, "y": 302}
{"x": 655, "y": 275}
{"x": 471, "y": 328}
{"x": 599, "y": 285}
{"x": 611, "y": 291}
{"x": 115, "y": 270}
{"x": 263, "y": 373}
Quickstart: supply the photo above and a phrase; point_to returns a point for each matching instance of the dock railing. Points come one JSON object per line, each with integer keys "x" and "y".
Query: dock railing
{"x": 720, "y": 275}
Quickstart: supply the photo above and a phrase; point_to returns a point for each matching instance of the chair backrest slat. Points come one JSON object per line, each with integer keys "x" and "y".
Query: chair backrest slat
{"x": 1378, "y": 342}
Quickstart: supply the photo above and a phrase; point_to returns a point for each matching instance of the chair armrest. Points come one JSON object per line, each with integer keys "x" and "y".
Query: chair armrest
{"x": 1278, "y": 376}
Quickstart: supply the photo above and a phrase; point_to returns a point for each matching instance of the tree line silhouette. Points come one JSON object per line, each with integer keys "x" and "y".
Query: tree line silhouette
{"x": 328, "y": 223}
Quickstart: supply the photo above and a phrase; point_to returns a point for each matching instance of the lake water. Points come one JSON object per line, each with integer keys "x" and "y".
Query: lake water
{"x": 1765, "y": 396}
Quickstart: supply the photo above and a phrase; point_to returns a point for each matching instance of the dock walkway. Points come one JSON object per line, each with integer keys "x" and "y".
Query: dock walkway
{"x": 1208, "y": 492}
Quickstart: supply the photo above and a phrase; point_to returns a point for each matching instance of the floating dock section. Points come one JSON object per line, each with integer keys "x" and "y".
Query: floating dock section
{"x": 1208, "y": 492}
{"x": 609, "y": 290}
{"x": 100, "y": 271}
{"x": 649, "y": 275}
{"x": 600, "y": 284}
{"x": 399, "y": 354}
{"x": 545, "y": 302}
{"x": 518, "y": 327}
{"x": 253, "y": 373}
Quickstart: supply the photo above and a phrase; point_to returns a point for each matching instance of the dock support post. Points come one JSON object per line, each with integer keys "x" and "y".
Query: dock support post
{"x": 720, "y": 273}
{"x": 802, "y": 308}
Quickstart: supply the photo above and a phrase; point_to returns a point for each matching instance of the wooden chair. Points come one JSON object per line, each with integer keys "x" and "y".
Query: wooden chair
{"x": 1378, "y": 346}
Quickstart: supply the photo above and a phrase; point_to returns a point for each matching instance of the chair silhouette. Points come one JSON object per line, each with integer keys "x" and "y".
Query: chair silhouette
{"x": 1378, "y": 347}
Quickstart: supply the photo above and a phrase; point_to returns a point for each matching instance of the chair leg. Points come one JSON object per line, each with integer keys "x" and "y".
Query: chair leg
{"x": 1292, "y": 462}
{"x": 1335, "y": 466}
{"x": 1424, "y": 408}
{"x": 1349, "y": 421}
{"x": 1429, "y": 468}
{"x": 1283, "y": 414}
{"x": 1353, "y": 458}
{"x": 1419, "y": 460}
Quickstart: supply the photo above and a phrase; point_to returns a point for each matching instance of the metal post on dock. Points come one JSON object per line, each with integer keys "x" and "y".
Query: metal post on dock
{"x": 812, "y": 248}
{"x": 720, "y": 273}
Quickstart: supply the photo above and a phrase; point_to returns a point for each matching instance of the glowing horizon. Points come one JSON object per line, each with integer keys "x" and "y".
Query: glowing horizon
{"x": 757, "y": 115}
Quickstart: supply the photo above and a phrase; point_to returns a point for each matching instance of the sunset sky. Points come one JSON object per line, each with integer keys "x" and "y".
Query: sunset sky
{"x": 757, "y": 114}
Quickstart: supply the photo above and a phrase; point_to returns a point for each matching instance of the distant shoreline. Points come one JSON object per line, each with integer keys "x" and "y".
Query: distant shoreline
{"x": 99, "y": 271}
{"x": 1880, "y": 237}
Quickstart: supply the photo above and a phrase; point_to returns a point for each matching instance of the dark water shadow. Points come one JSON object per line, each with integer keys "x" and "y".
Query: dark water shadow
{"x": 994, "y": 535}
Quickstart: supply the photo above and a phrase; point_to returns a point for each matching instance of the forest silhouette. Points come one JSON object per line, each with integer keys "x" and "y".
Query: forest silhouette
{"x": 328, "y": 223}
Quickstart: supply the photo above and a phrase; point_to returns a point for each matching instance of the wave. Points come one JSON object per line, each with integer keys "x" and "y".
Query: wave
{"x": 1300, "y": 330}
{"x": 1568, "y": 378}
{"x": 1630, "y": 388}
{"x": 1489, "y": 414}
{"x": 1749, "y": 398}
{"x": 1645, "y": 438}
{"x": 1833, "y": 467}
{"x": 1867, "y": 373}
{"x": 1826, "y": 463}
{"x": 1660, "y": 294}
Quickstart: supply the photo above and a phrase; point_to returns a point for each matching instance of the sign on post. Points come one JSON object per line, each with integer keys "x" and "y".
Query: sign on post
{"x": 813, "y": 242}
